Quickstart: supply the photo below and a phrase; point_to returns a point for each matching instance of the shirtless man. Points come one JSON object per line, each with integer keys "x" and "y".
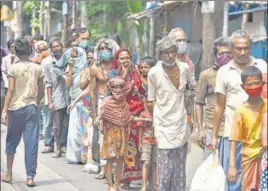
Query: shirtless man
{"x": 104, "y": 52}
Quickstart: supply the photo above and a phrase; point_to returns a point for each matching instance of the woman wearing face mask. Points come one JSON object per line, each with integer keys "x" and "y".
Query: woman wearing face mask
{"x": 72, "y": 62}
{"x": 123, "y": 67}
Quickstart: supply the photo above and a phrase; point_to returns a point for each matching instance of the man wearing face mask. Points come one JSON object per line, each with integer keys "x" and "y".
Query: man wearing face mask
{"x": 229, "y": 95}
{"x": 205, "y": 94}
{"x": 84, "y": 36}
{"x": 166, "y": 86}
{"x": 181, "y": 40}
{"x": 57, "y": 101}
{"x": 103, "y": 54}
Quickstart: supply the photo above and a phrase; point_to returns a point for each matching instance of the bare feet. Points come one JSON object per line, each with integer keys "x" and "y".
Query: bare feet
{"x": 144, "y": 188}
{"x": 30, "y": 182}
{"x": 111, "y": 188}
{"x": 6, "y": 178}
{"x": 118, "y": 187}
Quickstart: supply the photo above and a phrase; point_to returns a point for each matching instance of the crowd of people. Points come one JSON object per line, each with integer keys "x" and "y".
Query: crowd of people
{"x": 128, "y": 123}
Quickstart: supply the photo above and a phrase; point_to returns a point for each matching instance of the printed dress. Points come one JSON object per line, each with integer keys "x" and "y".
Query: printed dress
{"x": 84, "y": 113}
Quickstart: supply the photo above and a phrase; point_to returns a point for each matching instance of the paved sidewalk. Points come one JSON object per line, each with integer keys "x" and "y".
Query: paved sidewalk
{"x": 57, "y": 175}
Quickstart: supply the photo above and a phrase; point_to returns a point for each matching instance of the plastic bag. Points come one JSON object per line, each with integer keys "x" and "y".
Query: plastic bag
{"x": 209, "y": 176}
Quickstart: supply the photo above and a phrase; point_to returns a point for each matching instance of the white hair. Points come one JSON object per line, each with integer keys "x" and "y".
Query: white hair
{"x": 40, "y": 43}
{"x": 170, "y": 34}
{"x": 239, "y": 34}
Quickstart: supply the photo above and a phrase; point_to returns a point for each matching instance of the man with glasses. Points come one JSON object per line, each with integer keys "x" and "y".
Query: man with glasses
{"x": 166, "y": 86}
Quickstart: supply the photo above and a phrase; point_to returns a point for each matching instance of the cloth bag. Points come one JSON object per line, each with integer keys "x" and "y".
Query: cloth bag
{"x": 209, "y": 176}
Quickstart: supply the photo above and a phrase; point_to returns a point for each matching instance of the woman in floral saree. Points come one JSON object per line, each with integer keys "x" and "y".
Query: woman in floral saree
{"x": 123, "y": 67}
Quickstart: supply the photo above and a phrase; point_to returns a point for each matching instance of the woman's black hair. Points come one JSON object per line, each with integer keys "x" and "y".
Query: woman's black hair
{"x": 250, "y": 71}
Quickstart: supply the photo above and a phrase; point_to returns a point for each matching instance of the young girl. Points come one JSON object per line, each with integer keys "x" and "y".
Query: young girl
{"x": 115, "y": 120}
{"x": 247, "y": 129}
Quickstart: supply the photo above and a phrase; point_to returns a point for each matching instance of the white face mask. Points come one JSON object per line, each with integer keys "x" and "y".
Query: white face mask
{"x": 182, "y": 48}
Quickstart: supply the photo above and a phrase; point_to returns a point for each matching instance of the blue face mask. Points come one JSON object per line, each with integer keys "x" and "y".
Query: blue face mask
{"x": 84, "y": 44}
{"x": 106, "y": 55}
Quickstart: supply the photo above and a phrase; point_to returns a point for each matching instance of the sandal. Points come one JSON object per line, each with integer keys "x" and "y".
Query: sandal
{"x": 47, "y": 150}
{"x": 100, "y": 177}
{"x": 30, "y": 182}
{"x": 6, "y": 179}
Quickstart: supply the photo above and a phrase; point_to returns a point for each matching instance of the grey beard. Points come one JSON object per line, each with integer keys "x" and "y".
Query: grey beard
{"x": 169, "y": 64}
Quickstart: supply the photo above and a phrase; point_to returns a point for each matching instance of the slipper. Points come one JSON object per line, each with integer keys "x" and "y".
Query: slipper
{"x": 47, "y": 150}
{"x": 32, "y": 184}
{"x": 100, "y": 177}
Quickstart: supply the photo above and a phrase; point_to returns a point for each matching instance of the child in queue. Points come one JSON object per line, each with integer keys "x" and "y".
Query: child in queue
{"x": 148, "y": 148}
{"x": 247, "y": 130}
{"x": 115, "y": 119}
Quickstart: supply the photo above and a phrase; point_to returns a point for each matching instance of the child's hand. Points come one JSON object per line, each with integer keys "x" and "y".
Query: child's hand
{"x": 232, "y": 174}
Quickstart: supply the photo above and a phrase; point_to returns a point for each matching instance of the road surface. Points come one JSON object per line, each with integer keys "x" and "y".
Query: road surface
{"x": 57, "y": 175}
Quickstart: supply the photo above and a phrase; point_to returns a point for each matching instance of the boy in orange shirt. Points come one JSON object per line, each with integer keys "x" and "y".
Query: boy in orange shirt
{"x": 247, "y": 130}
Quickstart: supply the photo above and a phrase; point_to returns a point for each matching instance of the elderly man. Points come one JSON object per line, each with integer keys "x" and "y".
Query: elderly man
{"x": 41, "y": 48}
{"x": 57, "y": 97}
{"x": 25, "y": 78}
{"x": 205, "y": 95}
{"x": 104, "y": 53}
{"x": 180, "y": 37}
{"x": 229, "y": 95}
{"x": 166, "y": 86}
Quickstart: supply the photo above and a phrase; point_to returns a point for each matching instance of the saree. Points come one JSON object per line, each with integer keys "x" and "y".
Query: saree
{"x": 132, "y": 168}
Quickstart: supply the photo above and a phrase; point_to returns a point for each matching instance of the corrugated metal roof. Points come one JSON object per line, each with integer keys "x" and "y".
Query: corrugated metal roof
{"x": 249, "y": 2}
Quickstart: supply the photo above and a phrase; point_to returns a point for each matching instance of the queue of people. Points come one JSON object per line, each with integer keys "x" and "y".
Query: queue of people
{"x": 132, "y": 123}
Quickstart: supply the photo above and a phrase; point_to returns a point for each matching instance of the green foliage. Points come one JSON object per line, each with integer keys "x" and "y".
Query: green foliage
{"x": 35, "y": 23}
{"x": 115, "y": 19}
{"x": 29, "y": 6}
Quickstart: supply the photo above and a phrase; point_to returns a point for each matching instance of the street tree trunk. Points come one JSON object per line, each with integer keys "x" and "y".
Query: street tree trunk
{"x": 84, "y": 17}
{"x": 212, "y": 28}
{"x": 18, "y": 6}
{"x": 47, "y": 27}
{"x": 244, "y": 17}
{"x": 41, "y": 17}
{"x": 73, "y": 15}
{"x": 152, "y": 37}
{"x": 145, "y": 38}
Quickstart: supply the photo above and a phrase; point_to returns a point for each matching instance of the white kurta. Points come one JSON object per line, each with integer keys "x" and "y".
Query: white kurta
{"x": 170, "y": 117}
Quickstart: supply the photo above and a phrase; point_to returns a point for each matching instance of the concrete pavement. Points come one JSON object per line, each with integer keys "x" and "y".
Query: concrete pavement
{"x": 57, "y": 175}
